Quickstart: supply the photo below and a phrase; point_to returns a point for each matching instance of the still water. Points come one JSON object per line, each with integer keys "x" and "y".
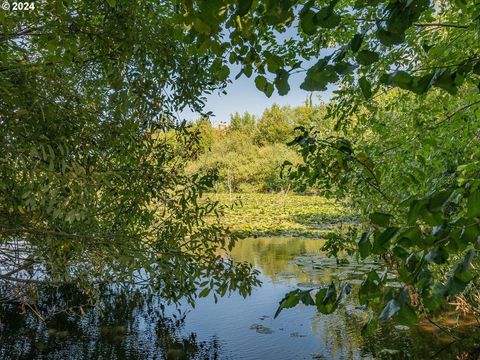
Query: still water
{"x": 233, "y": 328}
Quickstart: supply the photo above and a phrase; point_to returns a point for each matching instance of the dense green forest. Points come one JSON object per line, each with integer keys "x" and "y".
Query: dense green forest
{"x": 249, "y": 152}
{"x": 104, "y": 187}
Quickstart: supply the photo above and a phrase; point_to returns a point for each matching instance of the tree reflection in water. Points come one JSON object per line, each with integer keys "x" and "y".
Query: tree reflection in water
{"x": 124, "y": 325}
{"x": 131, "y": 325}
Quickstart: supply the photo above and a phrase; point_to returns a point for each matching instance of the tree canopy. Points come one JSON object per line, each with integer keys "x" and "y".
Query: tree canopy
{"x": 89, "y": 90}
{"x": 406, "y": 110}
{"x": 91, "y": 182}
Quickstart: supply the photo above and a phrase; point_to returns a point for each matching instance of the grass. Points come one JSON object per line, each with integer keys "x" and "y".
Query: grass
{"x": 256, "y": 214}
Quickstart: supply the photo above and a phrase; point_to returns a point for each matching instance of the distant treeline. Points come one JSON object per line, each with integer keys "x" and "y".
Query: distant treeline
{"x": 249, "y": 152}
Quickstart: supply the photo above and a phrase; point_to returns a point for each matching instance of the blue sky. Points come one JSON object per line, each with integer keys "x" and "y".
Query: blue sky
{"x": 242, "y": 96}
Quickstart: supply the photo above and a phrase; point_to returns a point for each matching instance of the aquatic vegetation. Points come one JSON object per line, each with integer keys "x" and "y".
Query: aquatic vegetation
{"x": 257, "y": 214}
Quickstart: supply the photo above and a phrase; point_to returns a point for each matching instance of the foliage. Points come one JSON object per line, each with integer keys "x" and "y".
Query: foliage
{"x": 83, "y": 84}
{"x": 249, "y": 154}
{"x": 421, "y": 212}
{"x": 386, "y": 41}
{"x": 92, "y": 187}
{"x": 241, "y": 163}
{"x": 275, "y": 126}
{"x": 245, "y": 122}
{"x": 407, "y": 157}
{"x": 286, "y": 214}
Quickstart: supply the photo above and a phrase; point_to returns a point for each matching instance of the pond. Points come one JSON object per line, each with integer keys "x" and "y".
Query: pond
{"x": 233, "y": 328}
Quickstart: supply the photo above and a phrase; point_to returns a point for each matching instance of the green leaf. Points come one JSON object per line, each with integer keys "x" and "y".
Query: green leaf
{"x": 432, "y": 218}
{"x": 439, "y": 200}
{"x": 260, "y": 82}
{"x": 244, "y": 7}
{"x": 402, "y": 79}
{"x": 263, "y": 85}
{"x": 343, "y": 67}
{"x": 307, "y": 23}
{"x": 370, "y": 327}
{"x": 462, "y": 269}
{"x": 380, "y": 219}
{"x": 382, "y": 239}
{"x": 469, "y": 235}
{"x": 364, "y": 245}
{"x": 356, "y": 42}
{"x": 411, "y": 262}
{"x": 223, "y": 73}
{"x": 268, "y": 89}
{"x": 365, "y": 87}
{"x": 406, "y": 315}
{"x": 399, "y": 19}
{"x": 278, "y": 12}
{"x": 426, "y": 47}
{"x": 367, "y": 57}
{"x": 476, "y": 68}
{"x": 200, "y": 26}
{"x": 305, "y": 297}
{"x": 388, "y": 38}
{"x": 326, "y": 299}
{"x": 422, "y": 84}
{"x": 416, "y": 208}
{"x": 473, "y": 204}
{"x": 447, "y": 81}
{"x": 247, "y": 70}
{"x": 204, "y": 292}
{"x": 274, "y": 62}
{"x": 438, "y": 256}
{"x": 281, "y": 82}
{"x": 462, "y": 275}
{"x": 435, "y": 297}
{"x": 325, "y": 18}
{"x": 290, "y": 300}
{"x": 410, "y": 236}
{"x": 370, "y": 288}
{"x": 318, "y": 77}
{"x": 400, "y": 252}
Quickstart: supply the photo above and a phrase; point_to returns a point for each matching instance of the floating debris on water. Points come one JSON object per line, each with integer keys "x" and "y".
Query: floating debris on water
{"x": 261, "y": 329}
{"x": 297, "y": 334}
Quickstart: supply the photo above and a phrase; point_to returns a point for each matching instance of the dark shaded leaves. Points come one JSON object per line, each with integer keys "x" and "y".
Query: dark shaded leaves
{"x": 364, "y": 245}
{"x": 356, "y": 42}
{"x": 380, "y": 219}
{"x": 366, "y": 87}
{"x": 244, "y": 7}
{"x": 367, "y": 57}
{"x": 326, "y": 299}
{"x": 281, "y": 82}
{"x": 319, "y": 76}
{"x": 473, "y": 204}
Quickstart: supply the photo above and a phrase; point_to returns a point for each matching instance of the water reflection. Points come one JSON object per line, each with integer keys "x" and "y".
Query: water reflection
{"x": 301, "y": 263}
{"x": 132, "y": 326}
{"x": 124, "y": 326}
{"x": 273, "y": 256}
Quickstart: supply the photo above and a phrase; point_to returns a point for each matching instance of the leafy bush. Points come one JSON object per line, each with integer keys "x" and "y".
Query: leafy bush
{"x": 249, "y": 155}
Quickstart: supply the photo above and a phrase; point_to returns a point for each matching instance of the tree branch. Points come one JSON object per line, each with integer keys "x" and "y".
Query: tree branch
{"x": 458, "y": 26}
